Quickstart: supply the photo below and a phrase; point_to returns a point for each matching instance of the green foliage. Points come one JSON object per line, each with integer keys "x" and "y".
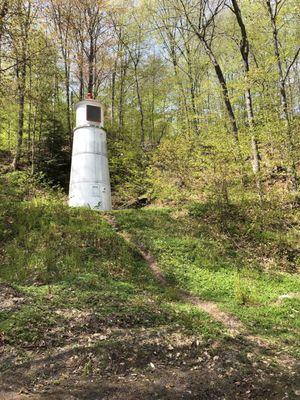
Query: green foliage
{"x": 54, "y": 157}
{"x": 28, "y": 325}
{"x": 66, "y": 262}
{"x": 242, "y": 292}
{"x": 169, "y": 135}
{"x": 236, "y": 256}
{"x": 127, "y": 164}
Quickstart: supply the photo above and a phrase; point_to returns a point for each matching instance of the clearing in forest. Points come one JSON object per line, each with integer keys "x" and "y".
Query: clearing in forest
{"x": 82, "y": 315}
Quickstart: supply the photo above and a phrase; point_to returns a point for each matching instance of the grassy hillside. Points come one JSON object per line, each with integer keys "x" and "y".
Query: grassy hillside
{"x": 71, "y": 258}
{"x": 81, "y": 314}
{"x": 245, "y": 259}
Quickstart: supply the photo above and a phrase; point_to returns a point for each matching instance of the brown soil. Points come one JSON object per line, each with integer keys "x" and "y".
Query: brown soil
{"x": 144, "y": 364}
{"x": 10, "y": 299}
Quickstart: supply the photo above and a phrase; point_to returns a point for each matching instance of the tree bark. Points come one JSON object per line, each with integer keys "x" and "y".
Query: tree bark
{"x": 283, "y": 95}
{"x": 113, "y": 94}
{"x": 182, "y": 99}
{"x": 21, "y": 76}
{"x": 62, "y": 23}
{"x": 67, "y": 86}
{"x": 123, "y": 72}
{"x": 140, "y": 103}
{"x": 223, "y": 85}
{"x": 91, "y": 59}
{"x": 195, "y": 120}
{"x": 33, "y": 143}
{"x": 244, "y": 50}
{"x": 80, "y": 67}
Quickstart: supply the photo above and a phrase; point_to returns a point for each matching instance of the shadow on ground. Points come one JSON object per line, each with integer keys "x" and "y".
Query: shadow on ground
{"x": 114, "y": 363}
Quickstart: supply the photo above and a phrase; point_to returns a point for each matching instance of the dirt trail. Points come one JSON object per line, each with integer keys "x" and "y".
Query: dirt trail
{"x": 88, "y": 357}
{"x": 233, "y": 326}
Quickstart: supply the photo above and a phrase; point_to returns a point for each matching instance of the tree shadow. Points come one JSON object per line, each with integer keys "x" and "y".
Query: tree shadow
{"x": 150, "y": 365}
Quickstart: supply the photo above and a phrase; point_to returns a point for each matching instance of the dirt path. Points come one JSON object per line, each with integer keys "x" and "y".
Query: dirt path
{"x": 88, "y": 355}
{"x": 234, "y": 327}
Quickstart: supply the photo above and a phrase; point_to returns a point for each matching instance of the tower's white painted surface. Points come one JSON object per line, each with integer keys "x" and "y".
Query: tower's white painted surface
{"x": 89, "y": 181}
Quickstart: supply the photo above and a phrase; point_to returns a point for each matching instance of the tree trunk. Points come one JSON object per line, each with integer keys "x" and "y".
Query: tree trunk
{"x": 180, "y": 86}
{"x": 3, "y": 12}
{"x": 223, "y": 85}
{"x": 91, "y": 58}
{"x": 21, "y": 76}
{"x": 244, "y": 50}
{"x": 113, "y": 94}
{"x": 33, "y": 143}
{"x": 123, "y": 72}
{"x": 68, "y": 108}
{"x": 140, "y": 104}
{"x": 283, "y": 97}
{"x": 153, "y": 107}
{"x": 29, "y": 111}
{"x": 195, "y": 120}
{"x": 81, "y": 80}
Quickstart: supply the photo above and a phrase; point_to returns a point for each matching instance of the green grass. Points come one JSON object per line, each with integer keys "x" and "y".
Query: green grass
{"x": 241, "y": 260}
{"x": 70, "y": 261}
{"x": 59, "y": 259}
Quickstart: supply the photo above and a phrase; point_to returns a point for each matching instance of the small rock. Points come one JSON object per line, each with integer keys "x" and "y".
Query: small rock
{"x": 152, "y": 366}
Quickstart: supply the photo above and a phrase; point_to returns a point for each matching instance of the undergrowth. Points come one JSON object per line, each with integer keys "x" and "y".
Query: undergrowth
{"x": 243, "y": 257}
{"x": 65, "y": 263}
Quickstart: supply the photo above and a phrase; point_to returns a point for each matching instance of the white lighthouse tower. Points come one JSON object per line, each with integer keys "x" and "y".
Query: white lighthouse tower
{"x": 89, "y": 181}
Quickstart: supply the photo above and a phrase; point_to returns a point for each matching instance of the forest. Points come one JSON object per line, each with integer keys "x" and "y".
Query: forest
{"x": 189, "y": 287}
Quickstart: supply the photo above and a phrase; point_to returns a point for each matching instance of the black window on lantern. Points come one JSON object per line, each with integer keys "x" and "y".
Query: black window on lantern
{"x": 93, "y": 113}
